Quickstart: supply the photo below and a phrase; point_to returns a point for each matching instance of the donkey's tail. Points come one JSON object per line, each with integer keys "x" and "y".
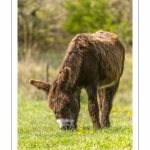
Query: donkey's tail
{"x": 40, "y": 85}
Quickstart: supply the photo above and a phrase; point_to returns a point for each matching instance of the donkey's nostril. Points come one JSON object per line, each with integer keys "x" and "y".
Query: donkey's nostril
{"x": 66, "y": 126}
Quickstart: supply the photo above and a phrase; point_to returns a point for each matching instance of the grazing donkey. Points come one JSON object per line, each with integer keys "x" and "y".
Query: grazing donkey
{"x": 94, "y": 62}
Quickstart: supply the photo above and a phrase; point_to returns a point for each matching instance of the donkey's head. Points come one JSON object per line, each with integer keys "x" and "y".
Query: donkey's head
{"x": 61, "y": 100}
{"x": 65, "y": 107}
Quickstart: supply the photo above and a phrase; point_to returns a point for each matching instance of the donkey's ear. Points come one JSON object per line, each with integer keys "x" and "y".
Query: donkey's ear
{"x": 40, "y": 85}
{"x": 64, "y": 75}
{"x": 64, "y": 78}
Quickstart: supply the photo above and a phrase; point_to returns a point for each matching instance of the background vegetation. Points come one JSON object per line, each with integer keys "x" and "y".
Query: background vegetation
{"x": 45, "y": 29}
{"x": 49, "y": 25}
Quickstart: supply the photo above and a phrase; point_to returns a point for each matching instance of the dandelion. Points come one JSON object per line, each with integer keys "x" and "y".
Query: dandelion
{"x": 129, "y": 113}
{"x": 80, "y": 129}
{"x": 116, "y": 112}
{"x": 79, "y": 132}
{"x": 89, "y": 143}
{"x": 119, "y": 109}
{"x": 124, "y": 109}
{"x": 113, "y": 109}
{"x": 25, "y": 108}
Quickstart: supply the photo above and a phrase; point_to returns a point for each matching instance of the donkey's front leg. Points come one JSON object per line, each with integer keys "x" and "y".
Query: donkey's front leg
{"x": 93, "y": 106}
{"x": 77, "y": 95}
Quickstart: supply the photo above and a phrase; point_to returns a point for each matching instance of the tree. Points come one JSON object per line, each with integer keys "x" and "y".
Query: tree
{"x": 39, "y": 26}
{"x": 86, "y": 16}
{"x": 90, "y": 16}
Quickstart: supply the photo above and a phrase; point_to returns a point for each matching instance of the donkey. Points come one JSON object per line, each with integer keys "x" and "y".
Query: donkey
{"x": 94, "y": 62}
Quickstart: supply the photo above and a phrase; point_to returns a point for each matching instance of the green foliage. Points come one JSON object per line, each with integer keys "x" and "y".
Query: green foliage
{"x": 49, "y": 25}
{"x": 90, "y": 16}
{"x": 39, "y": 26}
{"x": 86, "y": 16}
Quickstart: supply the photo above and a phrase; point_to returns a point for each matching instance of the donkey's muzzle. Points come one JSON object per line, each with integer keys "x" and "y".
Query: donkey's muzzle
{"x": 66, "y": 124}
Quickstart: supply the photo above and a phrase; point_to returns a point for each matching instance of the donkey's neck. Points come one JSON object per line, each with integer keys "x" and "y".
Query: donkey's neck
{"x": 73, "y": 61}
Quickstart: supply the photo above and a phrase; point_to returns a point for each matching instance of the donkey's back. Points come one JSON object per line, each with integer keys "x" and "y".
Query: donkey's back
{"x": 102, "y": 58}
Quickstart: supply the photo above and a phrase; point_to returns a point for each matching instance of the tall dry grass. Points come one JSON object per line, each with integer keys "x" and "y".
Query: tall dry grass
{"x": 35, "y": 68}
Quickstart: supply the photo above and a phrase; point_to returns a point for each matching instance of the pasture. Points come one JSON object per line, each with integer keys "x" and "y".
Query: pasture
{"x": 38, "y": 129}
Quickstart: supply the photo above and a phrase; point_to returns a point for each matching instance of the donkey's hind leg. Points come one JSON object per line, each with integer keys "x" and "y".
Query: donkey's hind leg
{"x": 105, "y": 100}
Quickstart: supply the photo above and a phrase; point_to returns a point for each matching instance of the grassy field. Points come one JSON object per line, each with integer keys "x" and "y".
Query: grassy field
{"x": 38, "y": 129}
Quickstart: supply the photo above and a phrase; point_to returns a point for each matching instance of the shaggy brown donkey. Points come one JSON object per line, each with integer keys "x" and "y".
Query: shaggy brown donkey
{"x": 94, "y": 62}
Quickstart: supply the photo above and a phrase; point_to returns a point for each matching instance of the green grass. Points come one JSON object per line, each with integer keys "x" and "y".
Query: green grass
{"x": 38, "y": 129}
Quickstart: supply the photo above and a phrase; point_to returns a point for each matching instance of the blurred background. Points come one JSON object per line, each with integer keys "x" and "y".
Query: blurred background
{"x": 46, "y": 27}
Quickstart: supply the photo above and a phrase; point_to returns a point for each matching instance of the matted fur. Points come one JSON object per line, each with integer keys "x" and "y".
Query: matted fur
{"x": 94, "y": 62}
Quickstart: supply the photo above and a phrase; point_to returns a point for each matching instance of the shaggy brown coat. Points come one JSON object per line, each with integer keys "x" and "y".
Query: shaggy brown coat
{"x": 94, "y": 62}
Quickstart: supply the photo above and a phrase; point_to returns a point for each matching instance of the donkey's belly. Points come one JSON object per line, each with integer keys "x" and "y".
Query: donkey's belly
{"x": 106, "y": 84}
